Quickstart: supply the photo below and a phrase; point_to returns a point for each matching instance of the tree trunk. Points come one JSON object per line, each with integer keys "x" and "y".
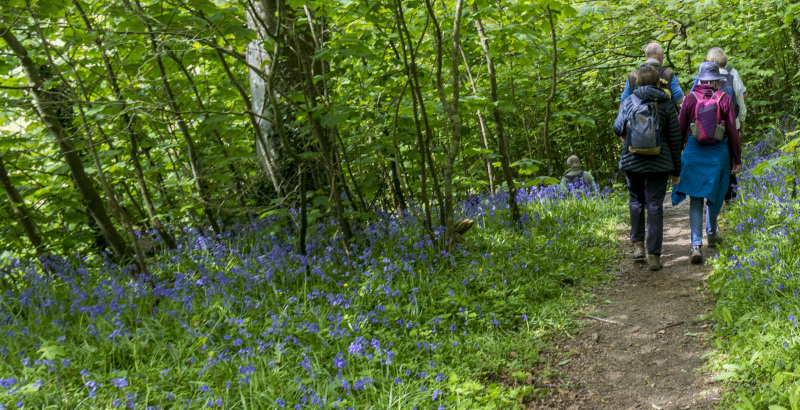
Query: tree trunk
{"x": 301, "y": 237}
{"x": 795, "y": 29}
{"x": 416, "y": 90}
{"x": 498, "y": 119}
{"x": 407, "y": 49}
{"x": 261, "y": 17}
{"x": 684, "y": 37}
{"x": 551, "y": 97}
{"x": 21, "y": 211}
{"x": 326, "y": 147}
{"x": 194, "y": 159}
{"x": 451, "y": 108}
{"x": 128, "y": 125}
{"x": 487, "y": 163}
{"x": 238, "y": 183}
{"x": 44, "y": 105}
{"x": 119, "y": 213}
{"x": 521, "y": 115}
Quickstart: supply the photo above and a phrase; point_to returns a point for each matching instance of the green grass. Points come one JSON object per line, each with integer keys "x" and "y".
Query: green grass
{"x": 463, "y": 341}
{"x": 755, "y": 280}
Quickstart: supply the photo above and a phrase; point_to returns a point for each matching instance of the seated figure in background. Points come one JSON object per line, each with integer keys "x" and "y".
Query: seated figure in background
{"x": 574, "y": 171}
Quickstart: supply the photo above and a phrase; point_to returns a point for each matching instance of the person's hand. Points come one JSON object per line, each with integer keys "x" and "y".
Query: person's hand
{"x": 622, "y": 138}
{"x": 736, "y": 169}
{"x": 675, "y": 179}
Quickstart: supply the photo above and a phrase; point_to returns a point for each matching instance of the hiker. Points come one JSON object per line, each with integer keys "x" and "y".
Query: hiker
{"x": 576, "y": 171}
{"x": 651, "y": 155}
{"x": 710, "y": 157}
{"x": 733, "y": 86}
{"x": 668, "y": 79}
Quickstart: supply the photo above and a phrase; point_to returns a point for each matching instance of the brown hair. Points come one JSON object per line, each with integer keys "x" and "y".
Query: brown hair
{"x": 646, "y": 75}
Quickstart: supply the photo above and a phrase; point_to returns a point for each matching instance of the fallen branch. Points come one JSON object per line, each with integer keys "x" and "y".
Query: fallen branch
{"x": 669, "y": 326}
{"x": 613, "y": 322}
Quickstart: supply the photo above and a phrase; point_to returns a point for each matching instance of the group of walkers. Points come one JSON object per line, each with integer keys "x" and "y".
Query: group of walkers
{"x": 692, "y": 141}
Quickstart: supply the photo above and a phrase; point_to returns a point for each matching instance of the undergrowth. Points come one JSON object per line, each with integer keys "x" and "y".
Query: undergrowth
{"x": 237, "y": 321}
{"x": 757, "y": 283}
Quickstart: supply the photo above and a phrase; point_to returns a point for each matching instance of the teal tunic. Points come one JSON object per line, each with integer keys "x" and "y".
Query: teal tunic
{"x": 705, "y": 173}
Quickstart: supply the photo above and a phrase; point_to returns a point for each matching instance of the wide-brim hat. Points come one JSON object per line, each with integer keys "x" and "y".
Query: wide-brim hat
{"x": 709, "y": 71}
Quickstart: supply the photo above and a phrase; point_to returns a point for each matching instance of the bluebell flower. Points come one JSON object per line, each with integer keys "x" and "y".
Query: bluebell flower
{"x": 339, "y": 361}
{"x": 357, "y": 346}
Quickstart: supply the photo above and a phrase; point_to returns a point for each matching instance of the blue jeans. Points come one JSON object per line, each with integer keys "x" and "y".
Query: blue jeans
{"x": 696, "y": 206}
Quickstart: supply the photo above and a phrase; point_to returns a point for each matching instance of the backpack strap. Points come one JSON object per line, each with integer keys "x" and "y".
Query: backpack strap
{"x": 718, "y": 96}
{"x": 729, "y": 78}
{"x": 667, "y": 73}
{"x": 699, "y": 96}
{"x": 655, "y": 112}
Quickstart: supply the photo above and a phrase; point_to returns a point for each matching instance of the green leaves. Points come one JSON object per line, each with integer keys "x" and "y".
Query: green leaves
{"x": 242, "y": 34}
{"x": 48, "y": 8}
{"x": 792, "y": 13}
{"x": 526, "y": 166}
{"x": 51, "y": 350}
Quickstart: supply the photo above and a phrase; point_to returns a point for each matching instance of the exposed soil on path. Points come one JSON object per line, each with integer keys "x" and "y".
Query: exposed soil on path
{"x": 646, "y": 350}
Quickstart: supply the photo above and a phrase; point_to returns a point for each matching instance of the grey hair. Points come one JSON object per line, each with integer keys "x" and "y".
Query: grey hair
{"x": 653, "y": 50}
{"x": 573, "y": 160}
{"x": 718, "y": 56}
{"x": 714, "y": 84}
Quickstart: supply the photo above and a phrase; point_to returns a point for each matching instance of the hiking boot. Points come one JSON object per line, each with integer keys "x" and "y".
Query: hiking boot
{"x": 654, "y": 262}
{"x": 638, "y": 251}
{"x": 697, "y": 255}
{"x": 714, "y": 240}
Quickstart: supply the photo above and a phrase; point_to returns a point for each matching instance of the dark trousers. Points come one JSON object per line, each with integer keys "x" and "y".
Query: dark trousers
{"x": 646, "y": 192}
{"x": 734, "y": 185}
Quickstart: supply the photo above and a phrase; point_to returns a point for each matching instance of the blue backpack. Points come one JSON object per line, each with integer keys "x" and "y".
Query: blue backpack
{"x": 644, "y": 133}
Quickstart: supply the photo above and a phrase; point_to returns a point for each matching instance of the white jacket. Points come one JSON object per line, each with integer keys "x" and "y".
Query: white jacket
{"x": 739, "y": 88}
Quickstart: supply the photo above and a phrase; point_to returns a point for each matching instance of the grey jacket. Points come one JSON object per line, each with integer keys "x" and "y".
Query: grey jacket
{"x": 573, "y": 172}
{"x": 669, "y": 160}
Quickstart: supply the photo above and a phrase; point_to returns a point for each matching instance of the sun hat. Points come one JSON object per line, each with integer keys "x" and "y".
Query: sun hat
{"x": 709, "y": 71}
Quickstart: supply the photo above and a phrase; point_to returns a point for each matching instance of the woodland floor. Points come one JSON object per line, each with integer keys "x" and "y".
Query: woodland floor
{"x": 652, "y": 357}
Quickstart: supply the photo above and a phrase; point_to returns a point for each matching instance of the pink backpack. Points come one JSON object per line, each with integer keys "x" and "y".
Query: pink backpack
{"x": 707, "y": 128}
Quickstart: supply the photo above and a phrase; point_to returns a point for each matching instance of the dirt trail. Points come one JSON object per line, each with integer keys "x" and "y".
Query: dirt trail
{"x": 651, "y": 358}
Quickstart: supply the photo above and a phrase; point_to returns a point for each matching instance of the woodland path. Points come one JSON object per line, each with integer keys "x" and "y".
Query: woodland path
{"x": 653, "y": 357}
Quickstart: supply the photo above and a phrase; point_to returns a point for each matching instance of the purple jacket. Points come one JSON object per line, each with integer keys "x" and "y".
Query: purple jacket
{"x": 686, "y": 117}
